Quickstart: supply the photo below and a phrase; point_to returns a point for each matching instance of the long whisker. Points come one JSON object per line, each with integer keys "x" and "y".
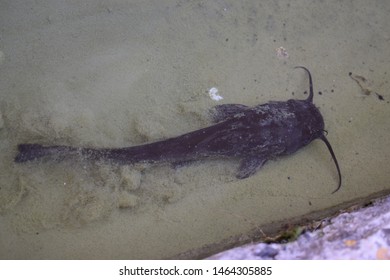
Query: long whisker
{"x": 323, "y": 138}
{"x": 310, "y": 98}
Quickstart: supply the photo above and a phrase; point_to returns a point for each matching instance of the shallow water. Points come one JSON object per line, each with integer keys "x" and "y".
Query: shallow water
{"x": 117, "y": 74}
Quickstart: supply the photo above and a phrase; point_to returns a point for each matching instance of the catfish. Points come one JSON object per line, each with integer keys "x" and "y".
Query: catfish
{"x": 252, "y": 135}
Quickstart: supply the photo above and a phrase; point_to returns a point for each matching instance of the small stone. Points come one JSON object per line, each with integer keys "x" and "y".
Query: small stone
{"x": 127, "y": 200}
{"x": 350, "y": 242}
{"x": 383, "y": 254}
{"x": 267, "y": 252}
{"x": 281, "y": 53}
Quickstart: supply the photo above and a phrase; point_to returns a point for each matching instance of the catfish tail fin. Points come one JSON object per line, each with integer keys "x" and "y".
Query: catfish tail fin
{"x": 29, "y": 152}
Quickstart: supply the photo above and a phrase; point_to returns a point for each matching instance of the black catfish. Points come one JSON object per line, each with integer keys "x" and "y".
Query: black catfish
{"x": 252, "y": 134}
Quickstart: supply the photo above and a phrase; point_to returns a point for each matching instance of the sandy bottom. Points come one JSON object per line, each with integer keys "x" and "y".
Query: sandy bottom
{"x": 121, "y": 73}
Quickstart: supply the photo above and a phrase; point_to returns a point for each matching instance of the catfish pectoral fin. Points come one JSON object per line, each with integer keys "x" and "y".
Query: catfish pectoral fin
{"x": 250, "y": 166}
{"x": 225, "y": 111}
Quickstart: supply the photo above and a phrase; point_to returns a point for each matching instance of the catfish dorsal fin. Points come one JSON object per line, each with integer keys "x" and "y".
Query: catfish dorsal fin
{"x": 225, "y": 111}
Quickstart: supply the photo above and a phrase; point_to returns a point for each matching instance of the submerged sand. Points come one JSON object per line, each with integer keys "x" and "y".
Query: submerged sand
{"x": 120, "y": 73}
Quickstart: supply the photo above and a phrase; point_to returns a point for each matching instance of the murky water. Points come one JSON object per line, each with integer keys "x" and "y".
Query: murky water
{"x": 120, "y": 73}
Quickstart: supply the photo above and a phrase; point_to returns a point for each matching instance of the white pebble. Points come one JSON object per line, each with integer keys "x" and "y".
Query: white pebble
{"x": 213, "y": 92}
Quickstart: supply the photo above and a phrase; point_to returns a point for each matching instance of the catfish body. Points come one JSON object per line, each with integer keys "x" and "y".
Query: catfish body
{"x": 252, "y": 134}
